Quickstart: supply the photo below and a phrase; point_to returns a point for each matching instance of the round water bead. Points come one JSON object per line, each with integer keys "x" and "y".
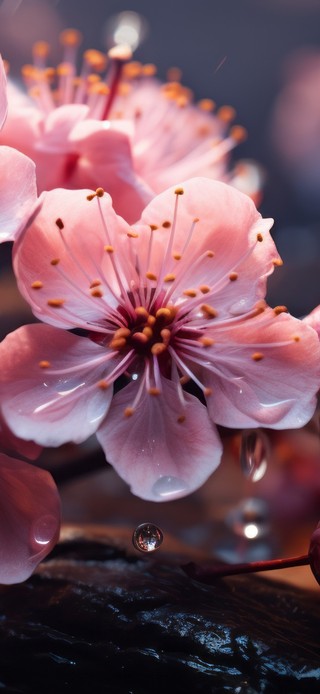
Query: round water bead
{"x": 249, "y": 519}
{"x": 147, "y": 537}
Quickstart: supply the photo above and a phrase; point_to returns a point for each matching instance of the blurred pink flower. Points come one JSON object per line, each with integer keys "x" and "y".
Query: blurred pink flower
{"x": 125, "y": 132}
{"x": 17, "y": 180}
{"x": 313, "y": 319}
{"x": 177, "y": 297}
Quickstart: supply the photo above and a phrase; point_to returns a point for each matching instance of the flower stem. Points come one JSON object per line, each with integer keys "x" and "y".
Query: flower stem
{"x": 208, "y": 573}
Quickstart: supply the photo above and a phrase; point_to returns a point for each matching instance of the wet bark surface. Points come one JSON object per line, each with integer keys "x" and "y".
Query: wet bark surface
{"x": 98, "y": 618}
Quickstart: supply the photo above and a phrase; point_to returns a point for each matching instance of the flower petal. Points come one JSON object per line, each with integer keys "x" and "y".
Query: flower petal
{"x": 228, "y": 239}
{"x": 3, "y": 94}
{"x": 62, "y": 254}
{"x": 313, "y": 319}
{"x": 266, "y": 371}
{"x": 49, "y": 385}
{"x": 18, "y": 192}
{"x": 164, "y": 450}
{"x": 106, "y": 160}
{"x": 11, "y": 444}
{"x": 29, "y": 518}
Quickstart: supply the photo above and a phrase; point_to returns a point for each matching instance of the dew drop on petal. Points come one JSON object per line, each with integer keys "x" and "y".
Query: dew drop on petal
{"x": 249, "y": 519}
{"x": 44, "y": 529}
{"x": 169, "y": 487}
{"x": 147, "y": 537}
{"x": 254, "y": 454}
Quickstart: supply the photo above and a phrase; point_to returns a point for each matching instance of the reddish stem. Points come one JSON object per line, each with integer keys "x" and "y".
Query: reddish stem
{"x": 117, "y": 66}
{"x": 209, "y": 573}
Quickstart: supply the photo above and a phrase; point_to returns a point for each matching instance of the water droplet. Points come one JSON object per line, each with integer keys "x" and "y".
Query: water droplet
{"x": 147, "y": 537}
{"x": 169, "y": 487}
{"x": 249, "y": 519}
{"x": 254, "y": 454}
{"x": 44, "y": 529}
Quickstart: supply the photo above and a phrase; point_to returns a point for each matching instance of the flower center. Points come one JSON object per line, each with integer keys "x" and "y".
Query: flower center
{"x": 148, "y": 333}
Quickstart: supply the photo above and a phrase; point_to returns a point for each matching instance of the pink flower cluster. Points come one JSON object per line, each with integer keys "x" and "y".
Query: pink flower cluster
{"x": 171, "y": 332}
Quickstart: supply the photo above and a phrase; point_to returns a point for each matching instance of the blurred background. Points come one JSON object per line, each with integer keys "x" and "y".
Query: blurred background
{"x": 260, "y": 56}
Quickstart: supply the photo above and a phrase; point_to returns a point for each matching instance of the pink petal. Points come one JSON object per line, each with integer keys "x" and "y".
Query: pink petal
{"x": 271, "y": 367}
{"x": 18, "y": 192}
{"x": 158, "y": 456}
{"x": 49, "y": 385}
{"x": 313, "y": 319}
{"x": 228, "y": 226}
{"x": 67, "y": 260}
{"x": 58, "y": 126}
{"x": 29, "y": 518}
{"x": 106, "y": 160}
{"x": 11, "y": 444}
{"x": 3, "y": 94}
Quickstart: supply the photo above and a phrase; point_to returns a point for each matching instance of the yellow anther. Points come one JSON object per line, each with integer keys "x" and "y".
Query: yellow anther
{"x": 59, "y": 223}
{"x": 128, "y": 412}
{"x": 226, "y": 113}
{"x": 210, "y": 254}
{"x": 149, "y": 70}
{"x": 280, "y": 309}
{"x": 259, "y": 237}
{"x": 65, "y": 69}
{"x": 132, "y": 235}
{"x": 95, "y": 283}
{"x": 206, "y": 341}
{"x": 140, "y": 337}
{"x": 153, "y": 227}
{"x": 55, "y": 261}
{"x": 30, "y": 72}
{"x": 70, "y": 37}
{"x": 154, "y": 391}
{"x": 151, "y": 320}
{"x": 177, "y": 256}
{"x": 163, "y": 313}
{"x": 207, "y": 392}
{"x": 97, "y": 293}
{"x": 99, "y": 88}
{"x": 277, "y": 262}
{"x": 44, "y": 364}
{"x": 174, "y": 74}
{"x": 151, "y": 276}
{"x": 169, "y": 277}
{"x": 148, "y": 331}
{"x": 158, "y": 348}
{"x": 179, "y": 191}
{"x": 296, "y": 338}
{"x": 132, "y": 69}
{"x": 142, "y": 312}
{"x": 122, "y": 332}
{"x": 209, "y": 311}
{"x": 190, "y": 292}
{"x": 184, "y": 380}
{"x": 165, "y": 334}
{"x": 181, "y": 418}
{"x": 233, "y": 276}
{"x": 99, "y": 192}
{"x": 55, "y": 303}
{"x": 118, "y": 343}
{"x": 95, "y": 59}
{"x": 238, "y": 133}
{"x": 109, "y": 249}
{"x": 103, "y": 384}
{"x": 91, "y": 79}
{"x": 204, "y": 289}
{"x": 257, "y": 356}
{"x": 206, "y": 104}
{"x": 90, "y": 197}
{"x": 40, "y": 49}
{"x": 166, "y": 224}
{"x": 37, "y": 285}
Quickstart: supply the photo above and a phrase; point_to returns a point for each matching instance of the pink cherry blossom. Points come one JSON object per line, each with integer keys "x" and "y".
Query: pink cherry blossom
{"x": 30, "y": 518}
{"x": 313, "y": 319}
{"x": 17, "y": 180}
{"x": 126, "y": 131}
{"x": 172, "y": 303}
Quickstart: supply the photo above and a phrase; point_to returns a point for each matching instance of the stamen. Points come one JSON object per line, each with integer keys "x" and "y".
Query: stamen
{"x": 257, "y": 356}
{"x": 118, "y": 55}
{"x": 158, "y": 348}
{"x": 56, "y": 303}
{"x": 280, "y": 309}
{"x": 59, "y": 223}
{"x": 37, "y": 285}
{"x": 226, "y": 113}
{"x": 259, "y": 237}
{"x": 55, "y": 261}
{"x": 181, "y": 418}
{"x": 233, "y": 276}
{"x": 44, "y": 364}
{"x": 142, "y": 312}
{"x": 151, "y": 276}
{"x": 206, "y": 105}
{"x": 238, "y": 133}
{"x": 209, "y": 311}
